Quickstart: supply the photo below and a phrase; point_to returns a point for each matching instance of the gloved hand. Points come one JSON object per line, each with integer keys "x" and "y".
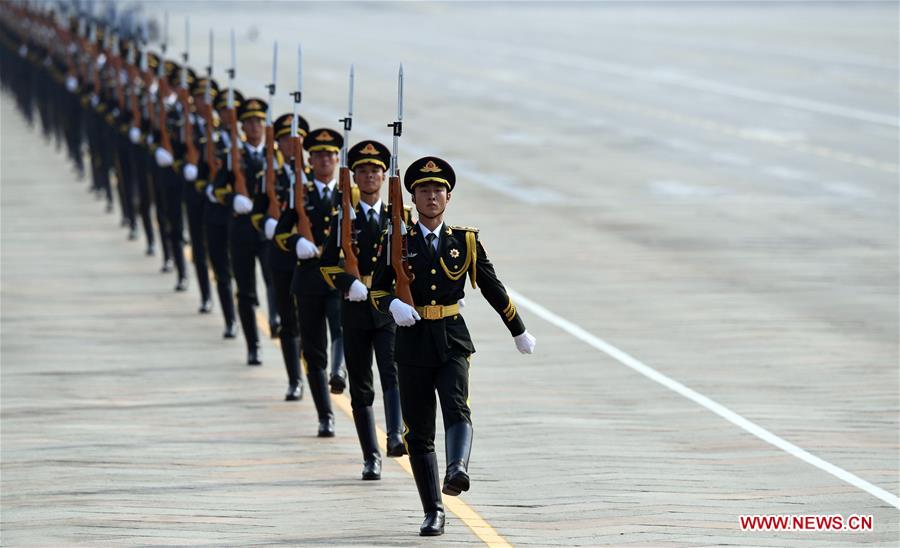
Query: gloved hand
{"x": 306, "y": 249}
{"x": 71, "y": 84}
{"x": 525, "y": 342}
{"x": 242, "y": 204}
{"x": 269, "y": 228}
{"x": 134, "y": 135}
{"x": 189, "y": 172}
{"x": 210, "y": 194}
{"x": 461, "y": 303}
{"x": 163, "y": 157}
{"x": 404, "y": 315}
{"x": 358, "y": 292}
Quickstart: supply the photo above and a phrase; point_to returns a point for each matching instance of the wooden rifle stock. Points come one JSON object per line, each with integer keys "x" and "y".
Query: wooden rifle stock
{"x": 165, "y": 140}
{"x": 402, "y": 270}
{"x": 351, "y": 262}
{"x": 240, "y": 183}
{"x": 191, "y": 154}
{"x": 304, "y": 226}
{"x": 274, "y": 211}
{"x": 210, "y": 144}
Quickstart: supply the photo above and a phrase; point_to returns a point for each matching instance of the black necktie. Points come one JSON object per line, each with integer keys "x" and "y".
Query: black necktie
{"x": 430, "y": 239}
{"x": 326, "y": 194}
{"x": 373, "y": 224}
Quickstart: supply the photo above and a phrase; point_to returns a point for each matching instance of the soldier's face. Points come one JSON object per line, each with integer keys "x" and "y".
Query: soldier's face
{"x": 284, "y": 143}
{"x": 369, "y": 178}
{"x": 431, "y": 199}
{"x": 323, "y": 163}
{"x": 253, "y": 128}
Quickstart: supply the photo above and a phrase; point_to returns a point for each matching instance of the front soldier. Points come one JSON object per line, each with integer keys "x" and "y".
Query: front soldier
{"x": 433, "y": 346}
{"x": 364, "y": 328}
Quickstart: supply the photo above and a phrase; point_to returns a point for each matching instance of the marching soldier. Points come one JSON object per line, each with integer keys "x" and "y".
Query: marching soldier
{"x": 218, "y": 216}
{"x": 433, "y": 347}
{"x": 283, "y": 261}
{"x": 365, "y": 329}
{"x": 248, "y": 245}
{"x": 315, "y": 299}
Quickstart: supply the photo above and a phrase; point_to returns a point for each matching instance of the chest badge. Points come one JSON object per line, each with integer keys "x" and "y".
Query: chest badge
{"x": 454, "y": 253}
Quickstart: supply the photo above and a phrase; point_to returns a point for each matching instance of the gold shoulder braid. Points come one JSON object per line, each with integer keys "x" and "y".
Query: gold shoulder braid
{"x": 471, "y": 259}
{"x": 354, "y": 195}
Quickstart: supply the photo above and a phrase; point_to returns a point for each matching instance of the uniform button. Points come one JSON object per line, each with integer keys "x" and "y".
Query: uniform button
{"x": 433, "y": 271}
{"x": 433, "y": 302}
{"x": 374, "y": 259}
{"x": 433, "y": 287}
{"x": 327, "y": 218}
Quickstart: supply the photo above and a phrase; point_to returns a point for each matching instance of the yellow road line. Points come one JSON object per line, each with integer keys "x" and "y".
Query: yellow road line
{"x": 455, "y": 505}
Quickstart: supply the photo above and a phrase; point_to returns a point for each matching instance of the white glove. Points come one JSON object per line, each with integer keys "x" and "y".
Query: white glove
{"x": 306, "y": 249}
{"x": 269, "y": 228}
{"x": 189, "y": 172}
{"x": 210, "y": 194}
{"x": 242, "y": 204}
{"x": 358, "y": 292}
{"x": 72, "y": 84}
{"x": 95, "y": 100}
{"x": 525, "y": 342}
{"x": 404, "y": 315}
{"x": 150, "y": 139}
{"x": 461, "y": 303}
{"x": 163, "y": 157}
{"x": 134, "y": 135}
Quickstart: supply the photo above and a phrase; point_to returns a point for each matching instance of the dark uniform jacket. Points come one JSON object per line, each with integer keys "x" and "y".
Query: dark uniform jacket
{"x": 254, "y": 168}
{"x": 279, "y": 259}
{"x": 441, "y": 281}
{"x": 307, "y": 277}
{"x": 369, "y": 245}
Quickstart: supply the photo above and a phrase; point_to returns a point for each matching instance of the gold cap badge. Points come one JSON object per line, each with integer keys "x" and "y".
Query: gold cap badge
{"x": 324, "y": 136}
{"x": 430, "y": 167}
{"x": 369, "y": 149}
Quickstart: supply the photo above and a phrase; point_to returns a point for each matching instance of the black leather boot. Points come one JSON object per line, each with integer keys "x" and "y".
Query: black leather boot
{"x": 290, "y": 351}
{"x": 338, "y": 380}
{"x": 393, "y": 419}
{"x": 251, "y": 335}
{"x": 230, "y": 330}
{"x": 458, "y": 440}
{"x": 425, "y": 471}
{"x": 318, "y": 388}
{"x": 364, "y": 419}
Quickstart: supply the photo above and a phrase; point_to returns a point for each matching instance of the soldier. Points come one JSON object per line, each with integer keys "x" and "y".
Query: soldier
{"x": 283, "y": 261}
{"x": 314, "y": 298}
{"x": 364, "y": 328}
{"x": 218, "y": 217}
{"x": 248, "y": 245}
{"x": 433, "y": 347}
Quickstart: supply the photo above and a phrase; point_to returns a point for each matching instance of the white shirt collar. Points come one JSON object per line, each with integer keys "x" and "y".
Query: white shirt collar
{"x": 320, "y": 186}
{"x": 258, "y": 149}
{"x": 436, "y": 232}
{"x": 366, "y": 207}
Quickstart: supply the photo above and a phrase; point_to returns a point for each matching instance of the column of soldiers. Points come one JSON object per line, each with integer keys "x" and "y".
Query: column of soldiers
{"x": 258, "y": 188}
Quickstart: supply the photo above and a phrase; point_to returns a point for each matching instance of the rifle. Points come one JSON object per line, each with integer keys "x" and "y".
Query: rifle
{"x": 207, "y": 115}
{"x": 133, "y": 78}
{"x": 304, "y": 226}
{"x": 164, "y": 140}
{"x": 347, "y": 213}
{"x": 274, "y": 211}
{"x": 192, "y": 155}
{"x": 234, "y": 163}
{"x": 116, "y": 63}
{"x": 397, "y": 252}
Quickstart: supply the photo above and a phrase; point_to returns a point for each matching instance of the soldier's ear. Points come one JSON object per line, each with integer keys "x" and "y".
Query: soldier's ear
{"x": 448, "y": 195}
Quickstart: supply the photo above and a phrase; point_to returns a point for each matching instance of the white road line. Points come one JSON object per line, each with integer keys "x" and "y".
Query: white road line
{"x": 727, "y": 414}
{"x": 673, "y": 77}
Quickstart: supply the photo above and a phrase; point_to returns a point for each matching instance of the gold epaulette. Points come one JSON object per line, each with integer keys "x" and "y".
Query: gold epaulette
{"x": 354, "y": 195}
{"x": 466, "y": 228}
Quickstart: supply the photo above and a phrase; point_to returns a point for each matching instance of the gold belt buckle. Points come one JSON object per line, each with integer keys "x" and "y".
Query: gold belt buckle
{"x": 434, "y": 312}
